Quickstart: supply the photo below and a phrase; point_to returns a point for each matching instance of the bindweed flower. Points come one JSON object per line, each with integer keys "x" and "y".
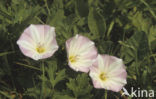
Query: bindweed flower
{"x": 38, "y": 41}
{"x": 108, "y": 72}
{"x": 81, "y": 53}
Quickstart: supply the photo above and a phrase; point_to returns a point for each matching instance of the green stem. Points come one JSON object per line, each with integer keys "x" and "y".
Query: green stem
{"x": 39, "y": 20}
{"x": 46, "y": 4}
{"x": 105, "y": 94}
{"x": 28, "y": 66}
{"x": 43, "y": 80}
{"x": 9, "y": 70}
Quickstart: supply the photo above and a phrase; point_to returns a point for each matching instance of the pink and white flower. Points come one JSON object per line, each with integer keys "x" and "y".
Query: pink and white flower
{"x": 81, "y": 53}
{"x": 108, "y": 72}
{"x": 38, "y": 41}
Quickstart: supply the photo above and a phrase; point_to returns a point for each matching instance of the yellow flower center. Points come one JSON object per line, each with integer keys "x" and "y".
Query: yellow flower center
{"x": 40, "y": 49}
{"x": 72, "y": 58}
{"x": 103, "y": 76}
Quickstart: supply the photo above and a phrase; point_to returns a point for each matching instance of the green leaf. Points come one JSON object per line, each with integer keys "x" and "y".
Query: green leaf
{"x": 144, "y": 76}
{"x": 107, "y": 48}
{"x": 80, "y": 86}
{"x": 6, "y": 94}
{"x": 56, "y": 19}
{"x": 140, "y": 22}
{"x": 60, "y": 95}
{"x": 33, "y": 92}
{"x": 152, "y": 37}
{"x": 36, "y": 92}
{"x": 96, "y": 23}
{"x": 60, "y": 75}
{"x": 1, "y": 72}
{"x": 57, "y": 15}
{"x": 81, "y": 8}
{"x": 53, "y": 75}
{"x": 135, "y": 48}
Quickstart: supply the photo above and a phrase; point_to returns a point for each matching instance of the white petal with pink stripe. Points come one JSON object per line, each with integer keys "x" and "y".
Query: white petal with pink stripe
{"x": 38, "y": 41}
{"x": 81, "y": 53}
{"x": 108, "y": 72}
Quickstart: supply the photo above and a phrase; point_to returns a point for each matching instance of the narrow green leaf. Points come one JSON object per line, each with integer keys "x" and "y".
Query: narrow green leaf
{"x": 81, "y": 8}
{"x": 96, "y": 23}
{"x": 5, "y": 53}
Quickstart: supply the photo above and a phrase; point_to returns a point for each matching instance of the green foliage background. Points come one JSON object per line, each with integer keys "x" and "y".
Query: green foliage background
{"x": 123, "y": 28}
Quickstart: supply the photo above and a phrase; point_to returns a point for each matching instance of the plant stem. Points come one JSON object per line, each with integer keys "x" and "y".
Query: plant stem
{"x": 46, "y": 4}
{"x": 43, "y": 80}
{"x": 28, "y": 66}
{"x": 105, "y": 94}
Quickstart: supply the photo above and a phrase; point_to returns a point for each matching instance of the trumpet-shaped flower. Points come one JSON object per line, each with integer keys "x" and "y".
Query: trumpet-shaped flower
{"x": 38, "y": 41}
{"x": 108, "y": 72}
{"x": 81, "y": 53}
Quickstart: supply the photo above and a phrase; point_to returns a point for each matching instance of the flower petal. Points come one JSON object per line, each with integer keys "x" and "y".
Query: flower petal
{"x": 114, "y": 73}
{"x": 38, "y": 41}
{"x": 83, "y": 50}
